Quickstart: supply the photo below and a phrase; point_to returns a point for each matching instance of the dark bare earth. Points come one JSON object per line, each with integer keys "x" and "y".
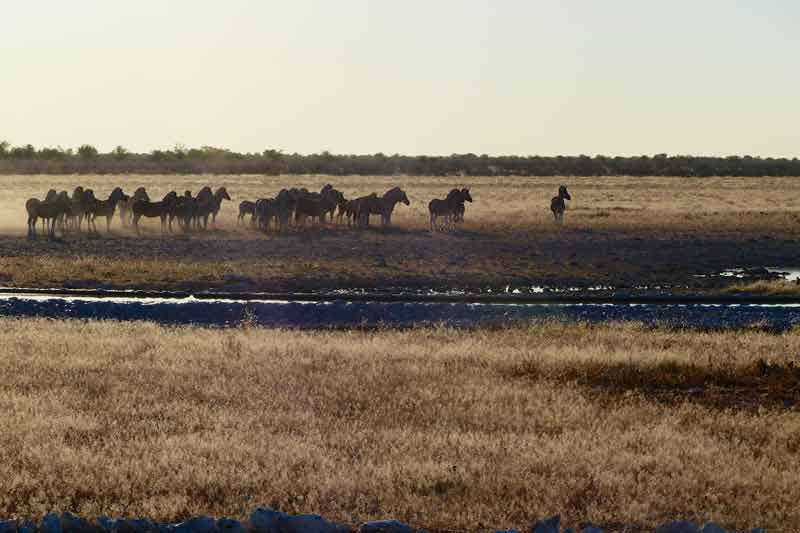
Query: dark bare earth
{"x": 411, "y": 258}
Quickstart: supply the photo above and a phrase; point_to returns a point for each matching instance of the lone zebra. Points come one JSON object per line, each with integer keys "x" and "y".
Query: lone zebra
{"x": 557, "y": 205}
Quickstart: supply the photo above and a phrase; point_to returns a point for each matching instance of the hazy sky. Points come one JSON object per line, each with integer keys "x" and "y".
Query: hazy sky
{"x": 428, "y": 76}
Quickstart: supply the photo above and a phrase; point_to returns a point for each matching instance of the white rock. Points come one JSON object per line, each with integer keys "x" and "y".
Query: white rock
{"x": 678, "y": 526}
{"x": 51, "y": 523}
{"x": 228, "y": 525}
{"x": 549, "y": 525}
{"x": 135, "y": 525}
{"x": 201, "y": 524}
{"x": 711, "y": 527}
{"x": 309, "y": 523}
{"x": 272, "y": 521}
{"x": 266, "y": 520}
{"x": 26, "y": 527}
{"x": 385, "y": 526}
{"x": 71, "y": 523}
{"x": 106, "y": 523}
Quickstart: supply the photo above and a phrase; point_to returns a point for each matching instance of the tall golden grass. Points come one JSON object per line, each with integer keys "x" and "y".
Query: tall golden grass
{"x": 776, "y": 287}
{"x": 441, "y": 428}
{"x": 501, "y": 203}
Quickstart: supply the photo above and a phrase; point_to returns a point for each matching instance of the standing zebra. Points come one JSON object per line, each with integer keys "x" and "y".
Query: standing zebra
{"x": 557, "y": 205}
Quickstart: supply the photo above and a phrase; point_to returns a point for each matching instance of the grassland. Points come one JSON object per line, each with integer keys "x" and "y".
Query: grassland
{"x": 619, "y": 231}
{"x": 774, "y": 287}
{"x": 441, "y": 428}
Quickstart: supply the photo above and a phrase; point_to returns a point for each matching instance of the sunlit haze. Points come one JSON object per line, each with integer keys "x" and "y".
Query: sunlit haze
{"x": 619, "y": 77}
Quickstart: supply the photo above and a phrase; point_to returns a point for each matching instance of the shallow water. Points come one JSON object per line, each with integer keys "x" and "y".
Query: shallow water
{"x": 341, "y": 313}
{"x": 787, "y": 273}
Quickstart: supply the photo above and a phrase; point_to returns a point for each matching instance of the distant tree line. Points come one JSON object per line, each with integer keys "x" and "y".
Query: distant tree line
{"x": 207, "y": 159}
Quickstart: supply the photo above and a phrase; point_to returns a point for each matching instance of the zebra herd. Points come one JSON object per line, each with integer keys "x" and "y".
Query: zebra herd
{"x": 301, "y": 204}
{"x": 295, "y": 205}
{"x": 60, "y": 211}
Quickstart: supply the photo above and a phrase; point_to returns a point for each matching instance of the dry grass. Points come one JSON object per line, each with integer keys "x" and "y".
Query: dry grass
{"x": 659, "y": 204}
{"x": 442, "y": 428}
{"x": 141, "y": 272}
{"x": 776, "y": 287}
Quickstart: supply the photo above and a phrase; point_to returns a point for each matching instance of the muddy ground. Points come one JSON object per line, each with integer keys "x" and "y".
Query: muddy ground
{"x": 336, "y": 258}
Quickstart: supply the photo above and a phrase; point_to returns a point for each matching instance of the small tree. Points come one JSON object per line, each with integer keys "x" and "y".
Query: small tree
{"x": 120, "y": 153}
{"x": 51, "y": 153}
{"x": 159, "y": 155}
{"x": 23, "y": 152}
{"x": 180, "y": 151}
{"x": 4, "y": 146}
{"x": 87, "y": 151}
{"x": 272, "y": 154}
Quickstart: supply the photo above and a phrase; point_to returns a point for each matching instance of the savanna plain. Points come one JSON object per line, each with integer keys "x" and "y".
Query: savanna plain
{"x": 619, "y": 231}
{"x": 445, "y": 429}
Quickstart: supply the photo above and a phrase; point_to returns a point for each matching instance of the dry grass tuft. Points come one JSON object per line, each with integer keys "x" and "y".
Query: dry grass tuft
{"x": 442, "y": 428}
{"x": 776, "y": 287}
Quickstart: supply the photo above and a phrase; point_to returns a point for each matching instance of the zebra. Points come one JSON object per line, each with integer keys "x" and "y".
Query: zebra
{"x": 557, "y": 205}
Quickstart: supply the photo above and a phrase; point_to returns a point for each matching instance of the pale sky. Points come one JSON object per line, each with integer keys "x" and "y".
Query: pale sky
{"x": 615, "y": 77}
